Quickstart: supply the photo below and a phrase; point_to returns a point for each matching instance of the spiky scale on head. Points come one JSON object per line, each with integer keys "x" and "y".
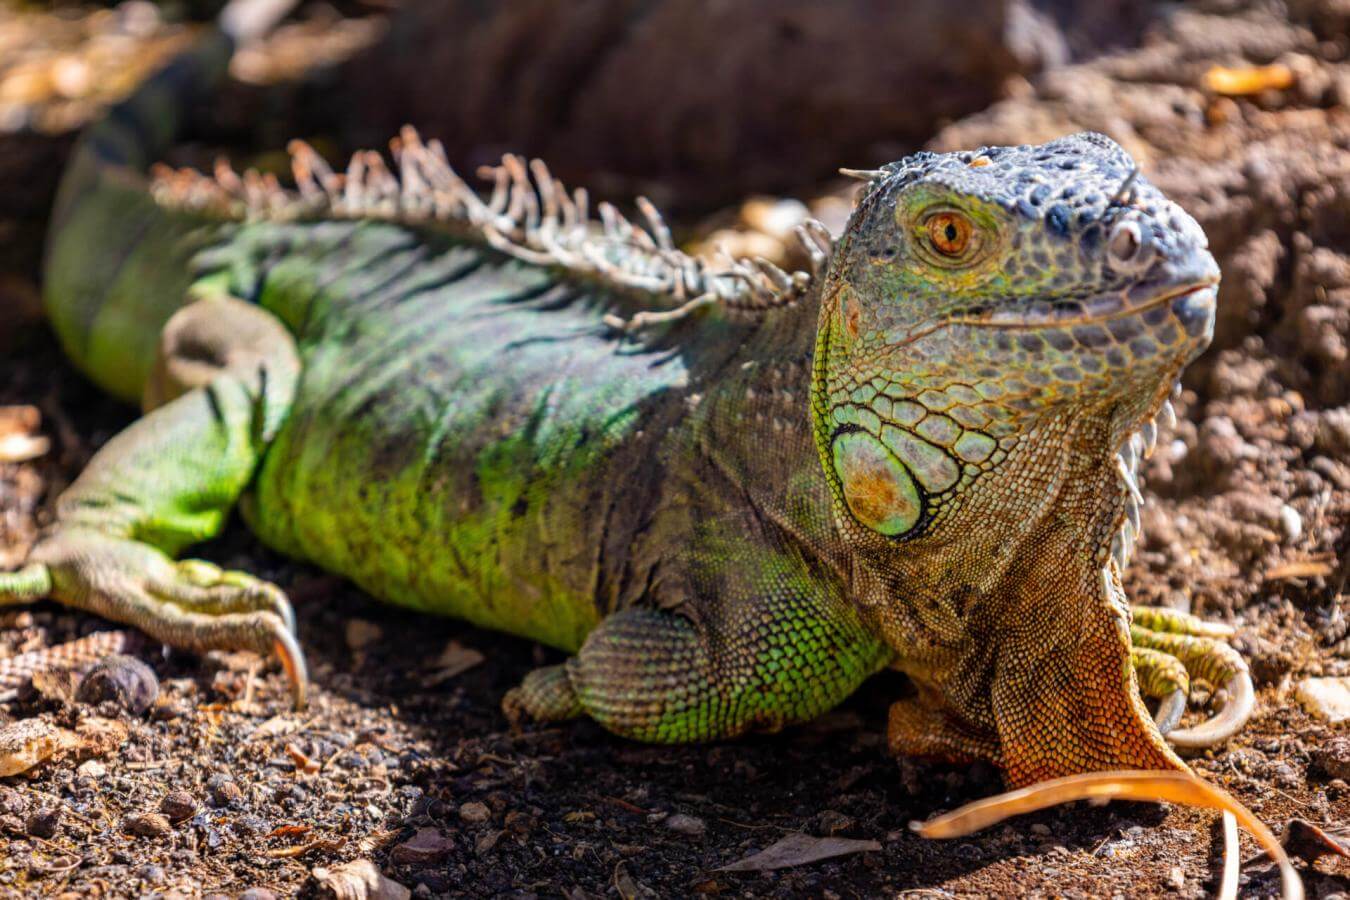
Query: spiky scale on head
{"x": 975, "y": 294}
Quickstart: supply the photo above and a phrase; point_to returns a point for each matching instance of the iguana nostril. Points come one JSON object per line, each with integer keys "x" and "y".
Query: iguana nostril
{"x": 1126, "y": 246}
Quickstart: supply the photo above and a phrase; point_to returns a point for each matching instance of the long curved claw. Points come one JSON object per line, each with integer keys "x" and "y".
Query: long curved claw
{"x": 293, "y": 663}
{"x": 1235, "y": 713}
{"x": 1169, "y": 711}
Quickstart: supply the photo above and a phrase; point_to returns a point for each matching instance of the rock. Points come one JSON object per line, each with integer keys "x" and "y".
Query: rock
{"x": 150, "y": 825}
{"x": 223, "y": 790}
{"x": 257, "y": 893}
{"x": 178, "y": 805}
{"x": 44, "y": 822}
{"x": 474, "y": 813}
{"x": 691, "y": 826}
{"x": 1041, "y": 829}
{"x": 12, "y": 802}
{"x": 1327, "y": 699}
{"x": 122, "y": 680}
{"x": 1176, "y": 878}
{"x": 91, "y": 768}
{"x": 27, "y": 742}
{"x": 428, "y": 845}
{"x": 1333, "y": 758}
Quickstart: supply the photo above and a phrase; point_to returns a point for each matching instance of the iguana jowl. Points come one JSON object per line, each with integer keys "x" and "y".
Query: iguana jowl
{"x": 731, "y": 493}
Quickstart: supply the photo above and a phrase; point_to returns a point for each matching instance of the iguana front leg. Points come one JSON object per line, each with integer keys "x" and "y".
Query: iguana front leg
{"x": 169, "y": 481}
{"x": 656, "y": 675}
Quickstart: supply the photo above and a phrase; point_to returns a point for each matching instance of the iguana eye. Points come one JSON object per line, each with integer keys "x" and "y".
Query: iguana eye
{"x": 950, "y": 233}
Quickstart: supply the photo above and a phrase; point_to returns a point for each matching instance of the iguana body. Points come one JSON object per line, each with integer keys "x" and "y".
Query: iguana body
{"x": 730, "y": 517}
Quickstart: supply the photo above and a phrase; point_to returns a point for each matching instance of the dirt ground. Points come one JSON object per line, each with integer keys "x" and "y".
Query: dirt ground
{"x": 404, "y": 758}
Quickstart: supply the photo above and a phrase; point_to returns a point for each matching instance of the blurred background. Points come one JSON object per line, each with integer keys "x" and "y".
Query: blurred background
{"x": 733, "y": 117}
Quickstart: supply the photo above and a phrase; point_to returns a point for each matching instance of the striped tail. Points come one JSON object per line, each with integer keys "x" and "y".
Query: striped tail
{"x": 112, "y": 273}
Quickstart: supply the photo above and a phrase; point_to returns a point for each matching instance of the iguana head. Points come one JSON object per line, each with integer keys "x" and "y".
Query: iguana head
{"x": 995, "y": 327}
{"x": 978, "y": 295}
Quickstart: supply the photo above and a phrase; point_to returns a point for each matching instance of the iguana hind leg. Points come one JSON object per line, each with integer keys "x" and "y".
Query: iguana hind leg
{"x": 655, "y": 675}
{"x": 1172, "y": 649}
{"x": 169, "y": 481}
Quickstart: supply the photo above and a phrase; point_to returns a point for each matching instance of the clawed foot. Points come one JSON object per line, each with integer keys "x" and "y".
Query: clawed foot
{"x": 1170, "y": 651}
{"x": 189, "y": 604}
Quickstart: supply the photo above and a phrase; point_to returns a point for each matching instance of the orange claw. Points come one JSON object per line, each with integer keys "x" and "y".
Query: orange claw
{"x": 1176, "y": 787}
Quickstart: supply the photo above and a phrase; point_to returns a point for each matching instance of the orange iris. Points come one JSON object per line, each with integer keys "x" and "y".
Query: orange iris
{"x": 950, "y": 233}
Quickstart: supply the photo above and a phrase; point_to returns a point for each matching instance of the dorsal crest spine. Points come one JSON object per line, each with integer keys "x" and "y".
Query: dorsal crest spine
{"x": 529, "y": 215}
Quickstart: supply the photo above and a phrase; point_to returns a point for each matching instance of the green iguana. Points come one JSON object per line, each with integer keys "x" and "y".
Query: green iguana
{"x": 730, "y": 493}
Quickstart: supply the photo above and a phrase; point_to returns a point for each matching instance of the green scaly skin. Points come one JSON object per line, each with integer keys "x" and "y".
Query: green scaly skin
{"x": 728, "y": 521}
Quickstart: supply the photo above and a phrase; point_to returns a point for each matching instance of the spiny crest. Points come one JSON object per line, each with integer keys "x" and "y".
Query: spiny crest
{"x": 529, "y": 215}
{"x": 1136, "y": 449}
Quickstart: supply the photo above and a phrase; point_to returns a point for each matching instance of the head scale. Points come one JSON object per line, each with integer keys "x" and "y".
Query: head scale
{"x": 979, "y": 297}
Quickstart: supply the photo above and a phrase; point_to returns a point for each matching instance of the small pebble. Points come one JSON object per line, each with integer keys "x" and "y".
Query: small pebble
{"x": 223, "y": 790}
{"x": 1176, "y": 878}
{"x": 123, "y": 680}
{"x": 1291, "y": 523}
{"x": 257, "y": 893}
{"x": 474, "y": 813}
{"x": 91, "y": 768}
{"x": 43, "y": 823}
{"x": 151, "y": 873}
{"x": 832, "y": 822}
{"x": 1286, "y": 776}
{"x": 1333, "y": 758}
{"x": 692, "y": 826}
{"x": 178, "y": 805}
{"x": 1040, "y": 828}
{"x": 151, "y": 825}
{"x": 1327, "y": 699}
{"x": 12, "y": 802}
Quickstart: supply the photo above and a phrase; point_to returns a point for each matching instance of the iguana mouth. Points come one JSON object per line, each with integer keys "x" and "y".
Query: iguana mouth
{"x": 1052, "y": 316}
{"x": 1123, "y": 311}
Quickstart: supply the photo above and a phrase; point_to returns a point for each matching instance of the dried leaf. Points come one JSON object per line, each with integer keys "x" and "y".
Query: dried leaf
{"x": 274, "y": 727}
{"x": 359, "y": 880}
{"x": 455, "y": 659}
{"x": 327, "y": 845}
{"x": 628, "y": 887}
{"x": 799, "y": 850}
{"x": 1312, "y": 567}
{"x": 1241, "y": 82}
{"x": 302, "y": 761}
{"x": 288, "y": 831}
{"x": 1310, "y": 842}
